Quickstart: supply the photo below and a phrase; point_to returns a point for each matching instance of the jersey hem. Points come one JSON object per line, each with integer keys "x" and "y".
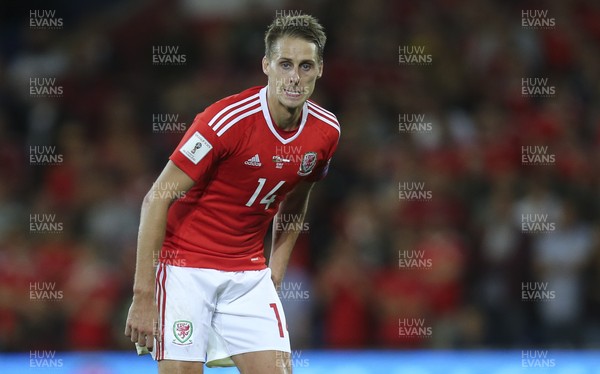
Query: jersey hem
{"x": 184, "y": 264}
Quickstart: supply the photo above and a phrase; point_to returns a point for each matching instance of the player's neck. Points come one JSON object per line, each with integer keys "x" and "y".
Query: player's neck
{"x": 289, "y": 121}
{"x": 286, "y": 119}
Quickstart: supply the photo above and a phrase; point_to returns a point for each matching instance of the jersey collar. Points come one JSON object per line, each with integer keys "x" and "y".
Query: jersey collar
{"x": 267, "y": 115}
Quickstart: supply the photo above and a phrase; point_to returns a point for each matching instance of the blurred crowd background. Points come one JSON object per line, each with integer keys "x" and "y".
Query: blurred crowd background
{"x": 348, "y": 261}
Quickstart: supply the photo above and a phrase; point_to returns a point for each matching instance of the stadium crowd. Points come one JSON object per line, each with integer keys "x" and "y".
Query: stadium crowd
{"x": 67, "y": 285}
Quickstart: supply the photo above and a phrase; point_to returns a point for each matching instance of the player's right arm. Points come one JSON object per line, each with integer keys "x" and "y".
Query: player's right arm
{"x": 143, "y": 313}
{"x": 198, "y": 152}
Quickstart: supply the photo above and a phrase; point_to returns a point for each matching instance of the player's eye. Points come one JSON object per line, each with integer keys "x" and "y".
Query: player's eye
{"x": 306, "y": 66}
{"x": 286, "y": 65}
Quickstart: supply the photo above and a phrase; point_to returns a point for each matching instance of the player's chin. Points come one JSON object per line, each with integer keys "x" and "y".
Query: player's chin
{"x": 293, "y": 100}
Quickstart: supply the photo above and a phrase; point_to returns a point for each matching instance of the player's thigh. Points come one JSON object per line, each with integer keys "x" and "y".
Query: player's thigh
{"x": 249, "y": 316}
{"x": 180, "y": 367}
{"x": 263, "y": 362}
{"x": 185, "y": 298}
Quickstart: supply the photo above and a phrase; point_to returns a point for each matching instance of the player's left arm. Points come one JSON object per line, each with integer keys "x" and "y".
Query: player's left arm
{"x": 284, "y": 236}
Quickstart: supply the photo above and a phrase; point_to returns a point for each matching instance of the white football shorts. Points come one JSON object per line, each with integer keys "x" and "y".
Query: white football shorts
{"x": 209, "y": 315}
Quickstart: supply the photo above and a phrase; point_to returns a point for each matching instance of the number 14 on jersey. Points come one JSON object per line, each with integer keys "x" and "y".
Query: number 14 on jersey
{"x": 269, "y": 198}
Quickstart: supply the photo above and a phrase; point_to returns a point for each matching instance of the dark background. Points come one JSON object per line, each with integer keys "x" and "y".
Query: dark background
{"x": 471, "y": 229}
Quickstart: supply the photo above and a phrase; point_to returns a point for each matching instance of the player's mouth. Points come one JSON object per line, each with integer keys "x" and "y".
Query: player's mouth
{"x": 292, "y": 94}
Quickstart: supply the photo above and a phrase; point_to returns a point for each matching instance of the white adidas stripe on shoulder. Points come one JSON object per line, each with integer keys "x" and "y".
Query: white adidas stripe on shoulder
{"x": 229, "y": 107}
{"x": 331, "y": 123}
{"x": 234, "y": 112}
{"x": 321, "y": 109}
{"x": 237, "y": 119}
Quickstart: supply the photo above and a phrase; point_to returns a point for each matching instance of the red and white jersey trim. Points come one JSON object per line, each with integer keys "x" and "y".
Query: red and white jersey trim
{"x": 237, "y": 119}
{"x": 324, "y": 115}
{"x": 233, "y": 113}
{"x": 228, "y": 108}
{"x": 265, "y": 109}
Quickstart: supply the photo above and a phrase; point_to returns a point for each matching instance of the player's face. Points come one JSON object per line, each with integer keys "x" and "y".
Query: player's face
{"x": 293, "y": 70}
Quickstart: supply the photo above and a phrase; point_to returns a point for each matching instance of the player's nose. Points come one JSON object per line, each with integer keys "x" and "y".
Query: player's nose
{"x": 294, "y": 76}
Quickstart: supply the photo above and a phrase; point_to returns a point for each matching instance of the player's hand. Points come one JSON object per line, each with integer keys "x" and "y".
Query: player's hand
{"x": 142, "y": 321}
{"x": 276, "y": 280}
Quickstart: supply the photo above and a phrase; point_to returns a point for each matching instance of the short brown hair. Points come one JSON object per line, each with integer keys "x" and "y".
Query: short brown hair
{"x": 301, "y": 26}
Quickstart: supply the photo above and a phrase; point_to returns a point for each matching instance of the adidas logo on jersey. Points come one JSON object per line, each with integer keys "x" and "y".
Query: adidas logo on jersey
{"x": 253, "y": 161}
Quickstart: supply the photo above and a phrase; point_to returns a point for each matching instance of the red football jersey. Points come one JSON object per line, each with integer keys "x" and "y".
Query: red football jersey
{"x": 243, "y": 166}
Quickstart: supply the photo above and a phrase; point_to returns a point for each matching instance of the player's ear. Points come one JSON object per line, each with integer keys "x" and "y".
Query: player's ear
{"x": 320, "y": 69}
{"x": 265, "y": 65}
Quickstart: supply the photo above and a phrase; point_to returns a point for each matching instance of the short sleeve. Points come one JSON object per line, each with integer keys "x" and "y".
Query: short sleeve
{"x": 199, "y": 150}
{"x": 322, "y": 168}
{"x": 320, "y": 171}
